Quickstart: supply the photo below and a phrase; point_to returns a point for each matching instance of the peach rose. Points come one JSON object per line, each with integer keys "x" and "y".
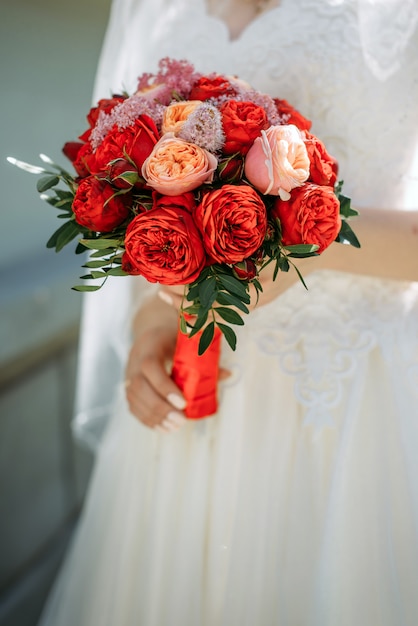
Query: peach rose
{"x": 176, "y": 114}
{"x": 278, "y": 161}
{"x": 176, "y": 166}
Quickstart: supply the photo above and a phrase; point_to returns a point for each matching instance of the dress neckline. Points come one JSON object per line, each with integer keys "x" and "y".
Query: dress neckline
{"x": 255, "y": 22}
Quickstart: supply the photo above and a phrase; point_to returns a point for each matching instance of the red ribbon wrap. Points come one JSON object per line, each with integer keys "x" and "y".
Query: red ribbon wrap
{"x": 197, "y": 376}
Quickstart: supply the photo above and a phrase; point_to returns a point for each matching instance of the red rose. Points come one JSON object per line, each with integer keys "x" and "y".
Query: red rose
{"x": 312, "y": 215}
{"x": 323, "y": 167}
{"x": 105, "y": 105}
{"x": 184, "y": 201}
{"x": 211, "y": 87}
{"x": 164, "y": 246}
{"x": 242, "y": 123}
{"x": 134, "y": 142}
{"x": 291, "y": 115}
{"x": 85, "y": 161}
{"x": 97, "y": 207}
{"x": 71, "y": 149}
{"x": 233, "y": 222}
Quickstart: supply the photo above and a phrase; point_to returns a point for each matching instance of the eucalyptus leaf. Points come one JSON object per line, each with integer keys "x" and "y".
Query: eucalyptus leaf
{"x": 46, "y": 182}
{"x": 116, "y": 271}
{"x": 98, "y": 263}
{"x": 27, "y": 167}
{"x": 101, "y": 244}
{"x": 229, "y": 315}
{"x": 86, "y": 287}
{"x": 229, "y": 335}
{"x": 302, "y": 248}
{"x": 206, "y": 338}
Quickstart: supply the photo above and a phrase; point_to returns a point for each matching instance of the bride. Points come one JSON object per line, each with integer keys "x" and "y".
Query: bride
{"x": 297, "y": 504}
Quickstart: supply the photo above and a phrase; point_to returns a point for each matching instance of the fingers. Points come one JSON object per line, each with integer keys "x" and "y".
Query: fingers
{"x": 152, "y": 396}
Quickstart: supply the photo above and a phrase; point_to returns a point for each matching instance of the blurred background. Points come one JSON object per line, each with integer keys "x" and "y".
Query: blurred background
{"x": 49, "y": 51}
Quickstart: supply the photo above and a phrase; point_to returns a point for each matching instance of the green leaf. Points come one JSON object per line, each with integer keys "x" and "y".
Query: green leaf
{"x": 300, "y": 277}
{"x": 302, "y": 248}
{"x": 99, "y": 253}
{"x": 193, "y": 310}
{"x": 183, "y": 325}
{"x": 347, "y": 235}
{"x": 207, "y": 292}
{"x": 206, "y": 338}
{"x": 86, "y": 287}
{"x": 227, "y": 298}
{"x": 199, "y": 323}
{"x": 229, "y": 315}
{"x": 100, "y": 244}
{"x": 116, "y": 271}
{"x": 345, "y": 207}
{"x": 229, "y": 335}
{"x": 233, "y": 285}
{"x": 46, "y": 182}
{"x": 193, "y": 292}
{"x": 66, "y": 233}
{"x": 98, "y": 263}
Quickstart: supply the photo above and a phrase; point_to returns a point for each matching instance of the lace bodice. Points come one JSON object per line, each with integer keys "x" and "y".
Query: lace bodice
{"x": 309, "y": 52}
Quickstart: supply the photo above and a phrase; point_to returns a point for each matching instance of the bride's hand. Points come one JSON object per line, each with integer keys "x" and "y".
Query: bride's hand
{"x": 152, "y": 396}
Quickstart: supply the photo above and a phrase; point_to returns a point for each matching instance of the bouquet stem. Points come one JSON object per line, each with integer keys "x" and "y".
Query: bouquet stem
{"x": 197, "y": 376}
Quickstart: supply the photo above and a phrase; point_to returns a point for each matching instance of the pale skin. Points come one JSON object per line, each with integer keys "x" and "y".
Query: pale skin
{"x": 389, "y": 240}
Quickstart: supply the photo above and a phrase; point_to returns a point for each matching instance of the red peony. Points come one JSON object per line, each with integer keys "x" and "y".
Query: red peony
{"x": 242, "y": 123}
{"x": 232, "y": 221}
{"x": 291, "y": 115}
{"x": 312, "y": 215}
{"x": 184, "y": 201}
{"x": 323, "y": 167}
{"x": 97, "y": 207}
{"x": 164, "y": 246}
{"x": 211, "y": 87}
{"x": 106, "y": 105}
{"x": 134, "y": 142}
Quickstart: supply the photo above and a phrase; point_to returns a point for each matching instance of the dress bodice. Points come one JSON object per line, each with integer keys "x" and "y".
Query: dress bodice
{"x": 308, "y": 52}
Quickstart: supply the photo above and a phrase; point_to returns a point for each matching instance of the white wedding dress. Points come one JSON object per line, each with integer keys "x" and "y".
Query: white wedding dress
{"x": 297, "y": 505}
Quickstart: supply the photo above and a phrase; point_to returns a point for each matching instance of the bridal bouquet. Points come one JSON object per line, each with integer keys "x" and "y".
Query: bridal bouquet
{"x": 202, "y": 181}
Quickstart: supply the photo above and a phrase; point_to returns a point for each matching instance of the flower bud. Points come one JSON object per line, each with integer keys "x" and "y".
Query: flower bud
{"x": 122, "y": 174}
{"x": 245, "y": 270}
{"x": 230, "y": 170}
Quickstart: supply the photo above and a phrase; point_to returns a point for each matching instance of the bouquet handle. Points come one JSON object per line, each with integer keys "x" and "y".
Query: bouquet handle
{"x": 197, "y": 376}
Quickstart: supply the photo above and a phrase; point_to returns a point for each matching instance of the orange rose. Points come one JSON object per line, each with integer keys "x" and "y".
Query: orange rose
{"x": 233, "y": 223}
{"x": 164, "y": 246}
{"x": 312, "y": 215}
{"x": 324, "y": 168}
{"x": 176, "y": 114}
{"x": 176, "y": 166}
{"x": 278, "y": 161}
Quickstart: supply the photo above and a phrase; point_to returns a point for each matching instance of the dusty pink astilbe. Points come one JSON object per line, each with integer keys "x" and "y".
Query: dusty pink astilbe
{"x": 178, "y": 76}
